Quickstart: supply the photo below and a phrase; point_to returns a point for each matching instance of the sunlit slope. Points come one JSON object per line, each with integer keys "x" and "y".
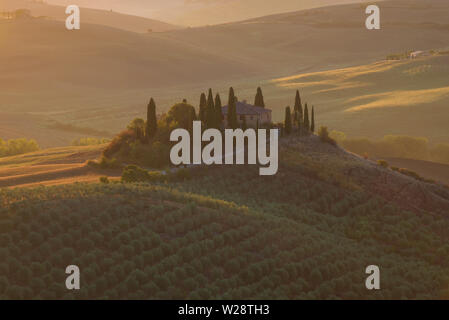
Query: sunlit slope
{"x": 101, "y": 17}
{"x": 408, "y": 97}
{"x": 51, "y": 167}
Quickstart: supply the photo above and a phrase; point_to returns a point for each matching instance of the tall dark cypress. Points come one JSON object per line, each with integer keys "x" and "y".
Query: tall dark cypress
{"x": 151, "y": 127}
{"x": 232, "y": 112}
{"x": 306, "y": 119}
{"x": 312, "y": 125}
{"x": 218, "y": 111}
{"x": 210, "y": 111}
{"x": 203, "y": 107}
{"x": 298, "y": 109}
{"x": 288, "y": 120}
{"x": 259, "y": 101}
{"x": 231, "y": 96}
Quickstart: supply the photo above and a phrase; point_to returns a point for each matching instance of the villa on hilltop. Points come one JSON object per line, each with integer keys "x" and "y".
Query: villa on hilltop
{"x": 253, "y": 115}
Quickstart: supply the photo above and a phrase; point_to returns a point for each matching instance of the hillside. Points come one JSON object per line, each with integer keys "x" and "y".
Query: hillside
{"x": 52, "y": 167}
{"x": 91, "y": 16}
{"x": 306, "y": 233}
{"x": 102, "y": 77}
{"x": 197, "y": 13}
{"x": 428, "y": 169}
{"x": 408, "y": 97}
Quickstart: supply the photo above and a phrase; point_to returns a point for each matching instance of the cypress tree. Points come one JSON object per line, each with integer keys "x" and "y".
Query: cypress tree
{"x": 151, "y": 127}
{"x": 203, "y": 106}
{"x": 210, "y": 111}
{"x": 312, "y": 125}
{"x": 298, "y": 109}
{"x": 306, "y": 119}
{"x": 288, "y": 121}
{"x": 232, "y": 112}
{"x": 231, "y": 97}
{"x": 218, "y": 111}
{"x": 259, "y": 101}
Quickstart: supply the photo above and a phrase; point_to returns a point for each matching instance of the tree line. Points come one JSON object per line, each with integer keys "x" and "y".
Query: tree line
{"x": 300, "y": 120}
{"x": 148, "y": 141}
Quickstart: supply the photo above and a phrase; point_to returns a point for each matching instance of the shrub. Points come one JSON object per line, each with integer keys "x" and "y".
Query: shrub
{"x": 383, "y": 163}
{"x": 89, "y": 141}
{"x": 119, "y": 141}
{"x": 133, "y": 173}
{"x": 156, "y": 176}
{"x": 17, "y": 146}
{"x": 104, "y": 180}
{"x": 323, "y": 133}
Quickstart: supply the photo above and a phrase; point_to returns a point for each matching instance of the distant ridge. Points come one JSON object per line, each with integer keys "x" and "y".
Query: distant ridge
{"x": 91, "y": 16}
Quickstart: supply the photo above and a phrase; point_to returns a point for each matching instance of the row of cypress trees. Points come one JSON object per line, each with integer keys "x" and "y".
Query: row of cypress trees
{"x": 210, "y": 110}
{"x": 210, "y": 113}
{"x": 300, "y": 118}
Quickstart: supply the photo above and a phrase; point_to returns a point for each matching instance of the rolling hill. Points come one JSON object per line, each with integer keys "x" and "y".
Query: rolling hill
{"x": 306, "y": 233}
{"x": 54, "y": 166}
{"x": 407, "y": 97}
{"x": 203, "y": 12}
{"x": 102, "y": 77}
{"x": 431, "y": 170}
{"x": 91, "y": 16}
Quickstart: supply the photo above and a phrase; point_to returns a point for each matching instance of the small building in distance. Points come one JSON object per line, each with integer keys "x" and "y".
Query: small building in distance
{"x": 417, "y": 54}
{"x": 250, "y": 113}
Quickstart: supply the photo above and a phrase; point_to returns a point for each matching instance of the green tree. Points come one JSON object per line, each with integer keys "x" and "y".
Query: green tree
{"x": 151, "y": 125}
{"x": 182, "y": 114}
{"x": 218, "y": 111}
{"x": 306, "y": 119}
{"x": 232, "y": 112}
{"x": 259, "y": 101}
{"x": 210, "y": 111}
{"x": 288, "y": 121}
{"x": 203, "y": 107}
{"x": 298, "y": 110}
{"x": 138, "y": 126}
{"x": 312, "y": 125}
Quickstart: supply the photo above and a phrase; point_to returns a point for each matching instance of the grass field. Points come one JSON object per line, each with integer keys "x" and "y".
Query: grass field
{"x": 52, "y": 167}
